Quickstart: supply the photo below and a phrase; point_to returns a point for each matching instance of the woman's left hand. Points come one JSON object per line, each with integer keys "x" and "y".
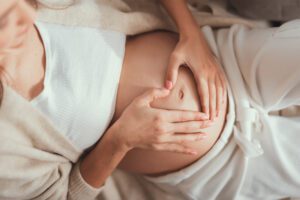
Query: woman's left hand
{"x": 193, "y": 51}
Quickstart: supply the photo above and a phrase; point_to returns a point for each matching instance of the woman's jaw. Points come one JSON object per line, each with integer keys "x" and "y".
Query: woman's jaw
{"x": 16, "y": 21}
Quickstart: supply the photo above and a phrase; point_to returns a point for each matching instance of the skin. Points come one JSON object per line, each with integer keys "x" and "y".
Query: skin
{"x": 140, "y": 72}
{"x": 193, "y": 51}
{"x": 22, "y": 64}
{"x": 14, "y": 33}
{"x": 22, "y": 58}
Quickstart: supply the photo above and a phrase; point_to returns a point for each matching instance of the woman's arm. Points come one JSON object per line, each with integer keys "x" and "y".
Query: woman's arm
{"x": 102, "y": 160}
{"x": 89, "y": 174}
{"x": 193, "y": 51}
{"x": 141, "y": 126}
{"x": 181, "y": 15}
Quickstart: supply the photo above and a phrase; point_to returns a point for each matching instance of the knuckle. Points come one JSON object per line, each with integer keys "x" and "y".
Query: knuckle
{"x": 215, "y": 70}
{"x": 159, "y": 139}
{"x": 153, "y": 92}
{"x": 203, "y": 80}
{"x": 200, "y": 125}
{"x": 181, "y": 117}
{"x": 185, "y": 128}
{"x": 175, "y": 55}
{"x": 159, "y": 128}
{"x": 138, "y": 101}
{"x": 206, "y": 103}
{"x": 158, "y": 118}
{"x": 182, "y": 141}
{"x": 213, "y": 106}
{"x": 219, "y": 102}
{"x": 155, "y": 146}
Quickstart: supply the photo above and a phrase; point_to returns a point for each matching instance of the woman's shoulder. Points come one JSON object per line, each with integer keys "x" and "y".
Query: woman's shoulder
{"x": 80, "y": 42}
{"x": 77, "y": 30}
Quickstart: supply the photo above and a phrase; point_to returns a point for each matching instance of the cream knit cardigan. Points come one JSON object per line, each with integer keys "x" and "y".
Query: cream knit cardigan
{"x": 35, "y": 159}
{"x": 135, "y": 16}
{"x": 38, "y": 162}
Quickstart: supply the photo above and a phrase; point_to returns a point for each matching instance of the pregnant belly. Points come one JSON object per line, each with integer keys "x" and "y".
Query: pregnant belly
{"x": 144, "y": 67}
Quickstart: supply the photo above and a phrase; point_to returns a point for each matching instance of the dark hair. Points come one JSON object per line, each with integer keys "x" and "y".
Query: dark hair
{"x": 1, "y": 92}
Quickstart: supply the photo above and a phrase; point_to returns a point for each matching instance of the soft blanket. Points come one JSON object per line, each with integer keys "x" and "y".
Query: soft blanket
{"x": 277, "y": 10}
{"x": 35, "y": 159}
{"x": 133, "y": 17}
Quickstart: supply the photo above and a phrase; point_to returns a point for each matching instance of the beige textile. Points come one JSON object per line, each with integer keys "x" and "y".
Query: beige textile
{"x": 135, "y": 16}
{"x": 35, "y": 159}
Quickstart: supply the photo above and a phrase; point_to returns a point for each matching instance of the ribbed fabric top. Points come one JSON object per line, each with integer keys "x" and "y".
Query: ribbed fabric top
{"x": 83, "y": 67}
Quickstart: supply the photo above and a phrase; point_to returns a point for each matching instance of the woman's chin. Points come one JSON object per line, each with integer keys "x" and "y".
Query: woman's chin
{"x": 19, "y": 42}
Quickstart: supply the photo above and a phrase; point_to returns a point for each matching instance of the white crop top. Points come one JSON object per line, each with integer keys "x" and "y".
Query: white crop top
{"x": 83, "y": 67}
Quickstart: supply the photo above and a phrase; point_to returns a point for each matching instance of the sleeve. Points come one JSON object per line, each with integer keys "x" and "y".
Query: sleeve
{"x": 78, "y": 188}
{"x": 36, "y": 161}
{"x": 269, "y": 62}
{"x": 22, "y": 177}
{"x": 277, "y": 10}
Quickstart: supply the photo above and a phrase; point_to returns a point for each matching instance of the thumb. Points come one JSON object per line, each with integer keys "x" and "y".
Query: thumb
{"x": 172, "y": 72}
{"x": 153, "y": 94}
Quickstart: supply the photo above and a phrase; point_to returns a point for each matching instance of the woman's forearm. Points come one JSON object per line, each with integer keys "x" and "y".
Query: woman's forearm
{"x": 99, "y": 164}
{"x": 182, "y": 16}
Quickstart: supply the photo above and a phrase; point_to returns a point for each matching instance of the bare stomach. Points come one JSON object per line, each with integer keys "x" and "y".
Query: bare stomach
{"x": 144, "y": 67}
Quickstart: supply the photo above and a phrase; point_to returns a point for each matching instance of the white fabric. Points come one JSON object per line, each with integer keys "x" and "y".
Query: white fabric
{"x": 83, "y": 67}
{"x": 257, "y": 155}
{"x": 269, "y": 64}
{"x": 134, "y": 17}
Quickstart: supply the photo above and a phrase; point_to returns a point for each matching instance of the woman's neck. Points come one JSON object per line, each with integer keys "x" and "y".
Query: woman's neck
{"x": 24, "y": 65}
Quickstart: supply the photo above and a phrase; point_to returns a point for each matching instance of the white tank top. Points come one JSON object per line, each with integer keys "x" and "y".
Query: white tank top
{"x": 83, "y": 67}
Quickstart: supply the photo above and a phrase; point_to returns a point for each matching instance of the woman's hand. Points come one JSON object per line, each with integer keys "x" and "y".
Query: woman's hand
{"x": 192, "y": 51}
{"x": 145, "y": 127}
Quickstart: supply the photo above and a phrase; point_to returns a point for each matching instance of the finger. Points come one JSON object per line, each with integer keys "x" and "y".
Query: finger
{"x": 224, "y": 95}
{"x": 175, "y": 148}
{"x": 224, "y": 85}
{"x": 212, "y": 95}
{"x": 153, "y": 94}
{"x": 183, "y": 137}
{"x": 188, "y": 127}
{"x": 220, "y": 95}
{"x": 172, "y": 71}
{"x": 182, "y": 116}
{"x": 204, "y": 95}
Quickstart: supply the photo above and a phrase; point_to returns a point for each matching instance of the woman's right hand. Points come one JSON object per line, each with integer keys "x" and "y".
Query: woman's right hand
{"x": 141, "y": 126}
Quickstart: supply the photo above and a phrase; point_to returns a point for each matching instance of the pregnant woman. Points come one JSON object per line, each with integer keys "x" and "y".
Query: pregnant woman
{"x": 140, "y": 72}
{"x": 71, "y": 75}
{"x": 252, "y": 144}
{"x": 252, "y": 150}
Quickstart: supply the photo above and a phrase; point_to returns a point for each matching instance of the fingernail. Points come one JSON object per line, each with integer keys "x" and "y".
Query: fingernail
{"x": 193, "y": 152}
{"x": 166, "y": 90}
{"x": 169, "y": 85}
{"x": 209, "y": 123}
{"x": 206, "y": 116}
{"x": 215, "y": 119}
{"x": 202, "y": 115}
{"x": 203, "y": 136}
